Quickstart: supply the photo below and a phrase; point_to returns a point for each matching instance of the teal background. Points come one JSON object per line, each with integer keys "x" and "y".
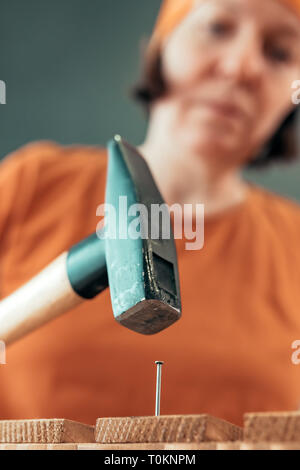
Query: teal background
{"x": 68, "y": 66}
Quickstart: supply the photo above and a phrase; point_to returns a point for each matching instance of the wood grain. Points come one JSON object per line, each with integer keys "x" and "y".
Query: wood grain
{"x": 276, "y": 427}
{"x": 45, "y": 431}
{"x": 38, "y": 447}
{"x": 157, "y": 446}
{"x": 255, "y": 446}
{"x": 149, "y": 446}
{"x": 228, "y": 445}
{"x": 239, "y": 445}
{"x": 285, "y": 446}
{"x": 165, "y": 429}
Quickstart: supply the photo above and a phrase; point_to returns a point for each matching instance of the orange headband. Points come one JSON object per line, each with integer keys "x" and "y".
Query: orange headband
{"x": 172, "y": 12}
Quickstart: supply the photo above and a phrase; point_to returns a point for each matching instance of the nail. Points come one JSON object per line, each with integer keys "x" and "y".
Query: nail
{"x": 158, "y": 387}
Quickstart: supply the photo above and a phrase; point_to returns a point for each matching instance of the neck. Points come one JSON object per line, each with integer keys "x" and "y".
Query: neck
{"x": 187, "y": 178}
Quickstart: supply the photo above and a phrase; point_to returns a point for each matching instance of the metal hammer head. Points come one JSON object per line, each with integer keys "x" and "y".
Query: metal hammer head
{"x": 142, "y": 272}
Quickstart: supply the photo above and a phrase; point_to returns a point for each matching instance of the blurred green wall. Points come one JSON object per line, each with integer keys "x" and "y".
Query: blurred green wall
{"x": 68, "y": 65}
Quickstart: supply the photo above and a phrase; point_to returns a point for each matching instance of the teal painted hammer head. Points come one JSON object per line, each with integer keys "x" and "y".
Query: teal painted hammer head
{"x": 140, "y": 252}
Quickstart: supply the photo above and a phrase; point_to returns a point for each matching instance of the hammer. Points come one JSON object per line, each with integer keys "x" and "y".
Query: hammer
{"x": 141, "y": 272}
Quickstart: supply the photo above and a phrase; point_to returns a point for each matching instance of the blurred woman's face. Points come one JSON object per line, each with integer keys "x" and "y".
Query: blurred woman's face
{"x": 229, "y": 67}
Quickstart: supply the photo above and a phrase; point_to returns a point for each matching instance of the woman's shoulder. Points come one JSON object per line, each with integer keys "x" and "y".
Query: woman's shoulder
{"x": 280, "y": 210}
{"x": 274, "y": 201}
{"x": 42, "y": 164}
{"x": 49, "y": 152}
{"x": 41, "y": 173}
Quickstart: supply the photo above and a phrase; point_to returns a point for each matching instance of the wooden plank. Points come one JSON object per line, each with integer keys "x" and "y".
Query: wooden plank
{"x": 157, "y": 446}
{"x": 23, "y": 447}
{"x": 239, "y": 445}
{"x": 276, "y": 427}
{"x": 255, "y": 446}
{"x": 150, "y": 446}
{"x": 228, "y": 445}
{"x": 38, "y": 447}
{"x": 45, "y": 431}
{"x": 69, "y": 446}
{"x": 165, "y": 429}
{"x": 285, "y": 446}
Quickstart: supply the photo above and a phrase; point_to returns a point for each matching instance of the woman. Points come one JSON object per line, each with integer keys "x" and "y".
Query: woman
{"x": 217, "y": 86}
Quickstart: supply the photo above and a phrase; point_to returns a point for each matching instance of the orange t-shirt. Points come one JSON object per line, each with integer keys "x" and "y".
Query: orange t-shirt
{"x": 230, "y": 352}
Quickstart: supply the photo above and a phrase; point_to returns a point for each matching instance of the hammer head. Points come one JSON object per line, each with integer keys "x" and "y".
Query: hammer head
{"x": 142, "y": 272}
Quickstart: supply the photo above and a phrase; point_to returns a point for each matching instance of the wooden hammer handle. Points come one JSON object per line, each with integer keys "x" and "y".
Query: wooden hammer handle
{"x": 45, "y": 297}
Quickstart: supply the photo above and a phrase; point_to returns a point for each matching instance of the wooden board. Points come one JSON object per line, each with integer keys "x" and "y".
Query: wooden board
{"x": 239, "y": 445}
{"x": 165, "y": 429}
{"x": 228, "y": 445}
{"x": 45, "y": 431}
{"x": 276, "y": 427}
{"x": 152, "y": 446}
{"x": 38, "y": 447}
{"x": 149, "y": 446}
{"x": 285, "y": 446}
{"x": 255, "y": 446}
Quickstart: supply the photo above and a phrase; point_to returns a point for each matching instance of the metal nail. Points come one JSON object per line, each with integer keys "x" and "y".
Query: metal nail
{"x": 158, "y": 387}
